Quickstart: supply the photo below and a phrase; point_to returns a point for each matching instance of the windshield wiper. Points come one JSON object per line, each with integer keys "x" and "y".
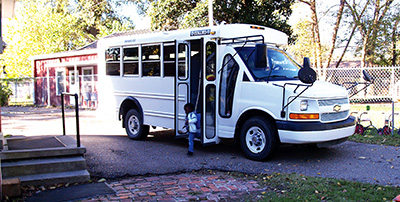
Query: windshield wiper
{"x": 273, "y": 76}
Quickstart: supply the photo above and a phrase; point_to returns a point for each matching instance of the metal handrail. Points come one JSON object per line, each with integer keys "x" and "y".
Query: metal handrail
{"x": 78, "y": 142}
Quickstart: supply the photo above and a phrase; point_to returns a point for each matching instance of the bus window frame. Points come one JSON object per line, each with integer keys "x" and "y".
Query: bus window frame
{"x": 149, "y": 61}
{"x": 130, "y": 61}
{"x": 113, "y": 61}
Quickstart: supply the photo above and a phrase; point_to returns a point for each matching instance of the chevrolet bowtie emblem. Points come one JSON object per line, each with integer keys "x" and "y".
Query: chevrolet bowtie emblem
{"x": 337, "y": 108}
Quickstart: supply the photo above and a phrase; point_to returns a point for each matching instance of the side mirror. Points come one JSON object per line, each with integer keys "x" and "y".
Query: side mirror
{"x": 261, "y": 56}
{"x": 307, "y": 74}
{"x": 367, "y": 77}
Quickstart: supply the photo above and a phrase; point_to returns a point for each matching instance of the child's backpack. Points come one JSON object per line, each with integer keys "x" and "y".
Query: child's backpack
{"x": 198, "y": 123}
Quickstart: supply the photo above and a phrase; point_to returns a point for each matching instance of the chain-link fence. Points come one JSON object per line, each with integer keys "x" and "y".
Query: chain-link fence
{"x": 375, "y": 102}
{"x": 22, "y": 90}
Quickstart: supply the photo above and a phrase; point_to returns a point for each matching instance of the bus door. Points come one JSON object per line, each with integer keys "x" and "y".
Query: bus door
{"x": 182, "y": 84}
{"x": 209, "y": 93}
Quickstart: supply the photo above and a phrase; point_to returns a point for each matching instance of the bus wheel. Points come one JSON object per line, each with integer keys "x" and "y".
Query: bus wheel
{"x": 258, "y": 139}
{"x": 134, "y": 126}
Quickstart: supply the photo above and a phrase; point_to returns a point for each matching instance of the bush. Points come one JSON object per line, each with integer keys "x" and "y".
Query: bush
{"x": 5, "y": 93}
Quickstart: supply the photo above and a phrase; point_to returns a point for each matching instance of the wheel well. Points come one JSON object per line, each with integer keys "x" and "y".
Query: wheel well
{"x": 245, "y": 116}
{"x": 128, "y": 104}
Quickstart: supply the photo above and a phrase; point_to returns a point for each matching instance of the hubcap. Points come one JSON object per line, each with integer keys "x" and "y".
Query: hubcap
{"x": 255, "y": 139}
{"x": 133, "y": 125}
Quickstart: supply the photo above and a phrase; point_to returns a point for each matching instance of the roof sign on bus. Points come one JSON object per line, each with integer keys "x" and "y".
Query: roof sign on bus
{"x": 200, "y": 32}
{"x": 130, "y": 41}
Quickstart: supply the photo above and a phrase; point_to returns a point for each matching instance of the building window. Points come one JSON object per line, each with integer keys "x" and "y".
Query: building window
{"x": 131, "y": 61}
{"x": 113, "y": 57}
{"x": 151, "y": 60}
{"x": 60, "y": 82}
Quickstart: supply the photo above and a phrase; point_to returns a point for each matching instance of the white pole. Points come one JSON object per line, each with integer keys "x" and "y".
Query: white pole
{"x": 48, "y": 87}
{"x": 210, "y": 13}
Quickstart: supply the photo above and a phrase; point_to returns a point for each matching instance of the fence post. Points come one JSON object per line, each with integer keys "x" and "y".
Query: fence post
{"x": 393, "y": 97}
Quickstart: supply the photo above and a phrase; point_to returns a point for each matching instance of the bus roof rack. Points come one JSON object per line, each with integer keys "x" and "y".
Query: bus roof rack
{"x": 244, "y": 39}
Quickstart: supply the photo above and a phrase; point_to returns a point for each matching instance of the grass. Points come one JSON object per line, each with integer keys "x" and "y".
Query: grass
{"x": 294, "y": 187}
{"x": 374, "y": 138}
{"x": 376, "y": 114}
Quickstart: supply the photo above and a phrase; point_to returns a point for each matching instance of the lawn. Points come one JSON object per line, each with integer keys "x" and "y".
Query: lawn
{"x": 295, "y": 187}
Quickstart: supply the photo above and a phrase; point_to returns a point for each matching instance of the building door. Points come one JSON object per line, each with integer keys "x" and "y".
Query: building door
{"x": 88, "y": 87}
{"x": 73, "y": 85}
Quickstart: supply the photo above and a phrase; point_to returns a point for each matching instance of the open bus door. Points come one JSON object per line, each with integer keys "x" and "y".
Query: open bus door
{"x": 210, "y": 93}
{"x": 182, "y": 83}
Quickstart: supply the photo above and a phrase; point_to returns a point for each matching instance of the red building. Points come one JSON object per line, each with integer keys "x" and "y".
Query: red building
{"x": 71, "y": 71}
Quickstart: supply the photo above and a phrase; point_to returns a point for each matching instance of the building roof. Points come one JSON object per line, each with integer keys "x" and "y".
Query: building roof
{"x": 88, "y": 49}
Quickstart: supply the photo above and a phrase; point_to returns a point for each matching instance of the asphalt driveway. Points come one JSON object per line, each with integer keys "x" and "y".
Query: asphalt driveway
{"x": 111, "y": 154}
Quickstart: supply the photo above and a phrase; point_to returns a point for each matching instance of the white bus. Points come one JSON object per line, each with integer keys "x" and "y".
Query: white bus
{"x": 241, "y": 83}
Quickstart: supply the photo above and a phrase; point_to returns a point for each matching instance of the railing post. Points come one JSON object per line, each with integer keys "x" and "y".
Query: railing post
{"x": 62, "y": 112}
{"x": 78, "y": 141}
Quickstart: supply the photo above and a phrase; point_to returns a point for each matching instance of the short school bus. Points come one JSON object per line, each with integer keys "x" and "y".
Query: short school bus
{"x": 241, "y": 83}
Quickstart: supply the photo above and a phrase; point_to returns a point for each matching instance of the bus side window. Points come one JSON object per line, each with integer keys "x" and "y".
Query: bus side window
{"x": 210, "y": 61}
{"x": 131, "y": 61}
{"x": 113, "y": 61}
{"x": 151, "y": 60}
{"x": 229, "y": 75}
{"x": 182, "y": 61}
{"x": 169, "y": 60}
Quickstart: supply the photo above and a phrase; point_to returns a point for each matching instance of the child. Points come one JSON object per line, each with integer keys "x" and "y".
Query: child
{"x": 191, "y": 120}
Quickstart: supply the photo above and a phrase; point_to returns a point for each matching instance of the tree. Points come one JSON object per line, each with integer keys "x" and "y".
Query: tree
{"x": 50, "y": 26}
{"x": 371, "y": 24}
{"x": 175, "y": 14}
{"x": 316, "y": 39}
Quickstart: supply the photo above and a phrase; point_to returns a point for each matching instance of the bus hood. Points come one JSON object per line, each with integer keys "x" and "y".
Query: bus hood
{"x": 320, "y": 89}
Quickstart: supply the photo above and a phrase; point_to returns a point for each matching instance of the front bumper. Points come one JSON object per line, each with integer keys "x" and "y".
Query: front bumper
{"x": 315, "y": 126}
{"x": 314, "y": 132}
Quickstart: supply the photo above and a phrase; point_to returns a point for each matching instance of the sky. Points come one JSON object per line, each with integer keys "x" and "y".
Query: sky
{"x": 141, "y": 22}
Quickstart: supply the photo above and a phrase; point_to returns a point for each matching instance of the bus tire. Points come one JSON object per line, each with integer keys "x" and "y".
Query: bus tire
{"x": 134, "y": 126}
{"x": 258, "y": 139}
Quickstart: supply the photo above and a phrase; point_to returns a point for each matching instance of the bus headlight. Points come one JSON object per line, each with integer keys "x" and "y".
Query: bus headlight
{"x": 304, "y": 105}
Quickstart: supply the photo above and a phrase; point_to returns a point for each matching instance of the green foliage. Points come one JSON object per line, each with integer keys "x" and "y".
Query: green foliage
{"x": 48, "y": 26}
{"x": 176, "y": 14}
{"x": 5, "y": 93}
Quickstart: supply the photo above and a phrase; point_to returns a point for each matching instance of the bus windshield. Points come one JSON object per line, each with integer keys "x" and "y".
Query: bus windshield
{"x": 280, "y": 66}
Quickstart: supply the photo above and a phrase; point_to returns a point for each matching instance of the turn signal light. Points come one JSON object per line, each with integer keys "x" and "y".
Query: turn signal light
{"x": 304, "y": 116}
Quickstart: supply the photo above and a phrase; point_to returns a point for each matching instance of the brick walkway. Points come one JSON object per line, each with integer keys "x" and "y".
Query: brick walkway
{"x": 184, "y": 187}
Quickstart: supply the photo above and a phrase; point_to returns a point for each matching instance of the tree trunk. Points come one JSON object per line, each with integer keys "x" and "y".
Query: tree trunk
{"x": 335, "y": 31}
{"x": 314, "y": 19}
{"x": 394, "y": 42}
